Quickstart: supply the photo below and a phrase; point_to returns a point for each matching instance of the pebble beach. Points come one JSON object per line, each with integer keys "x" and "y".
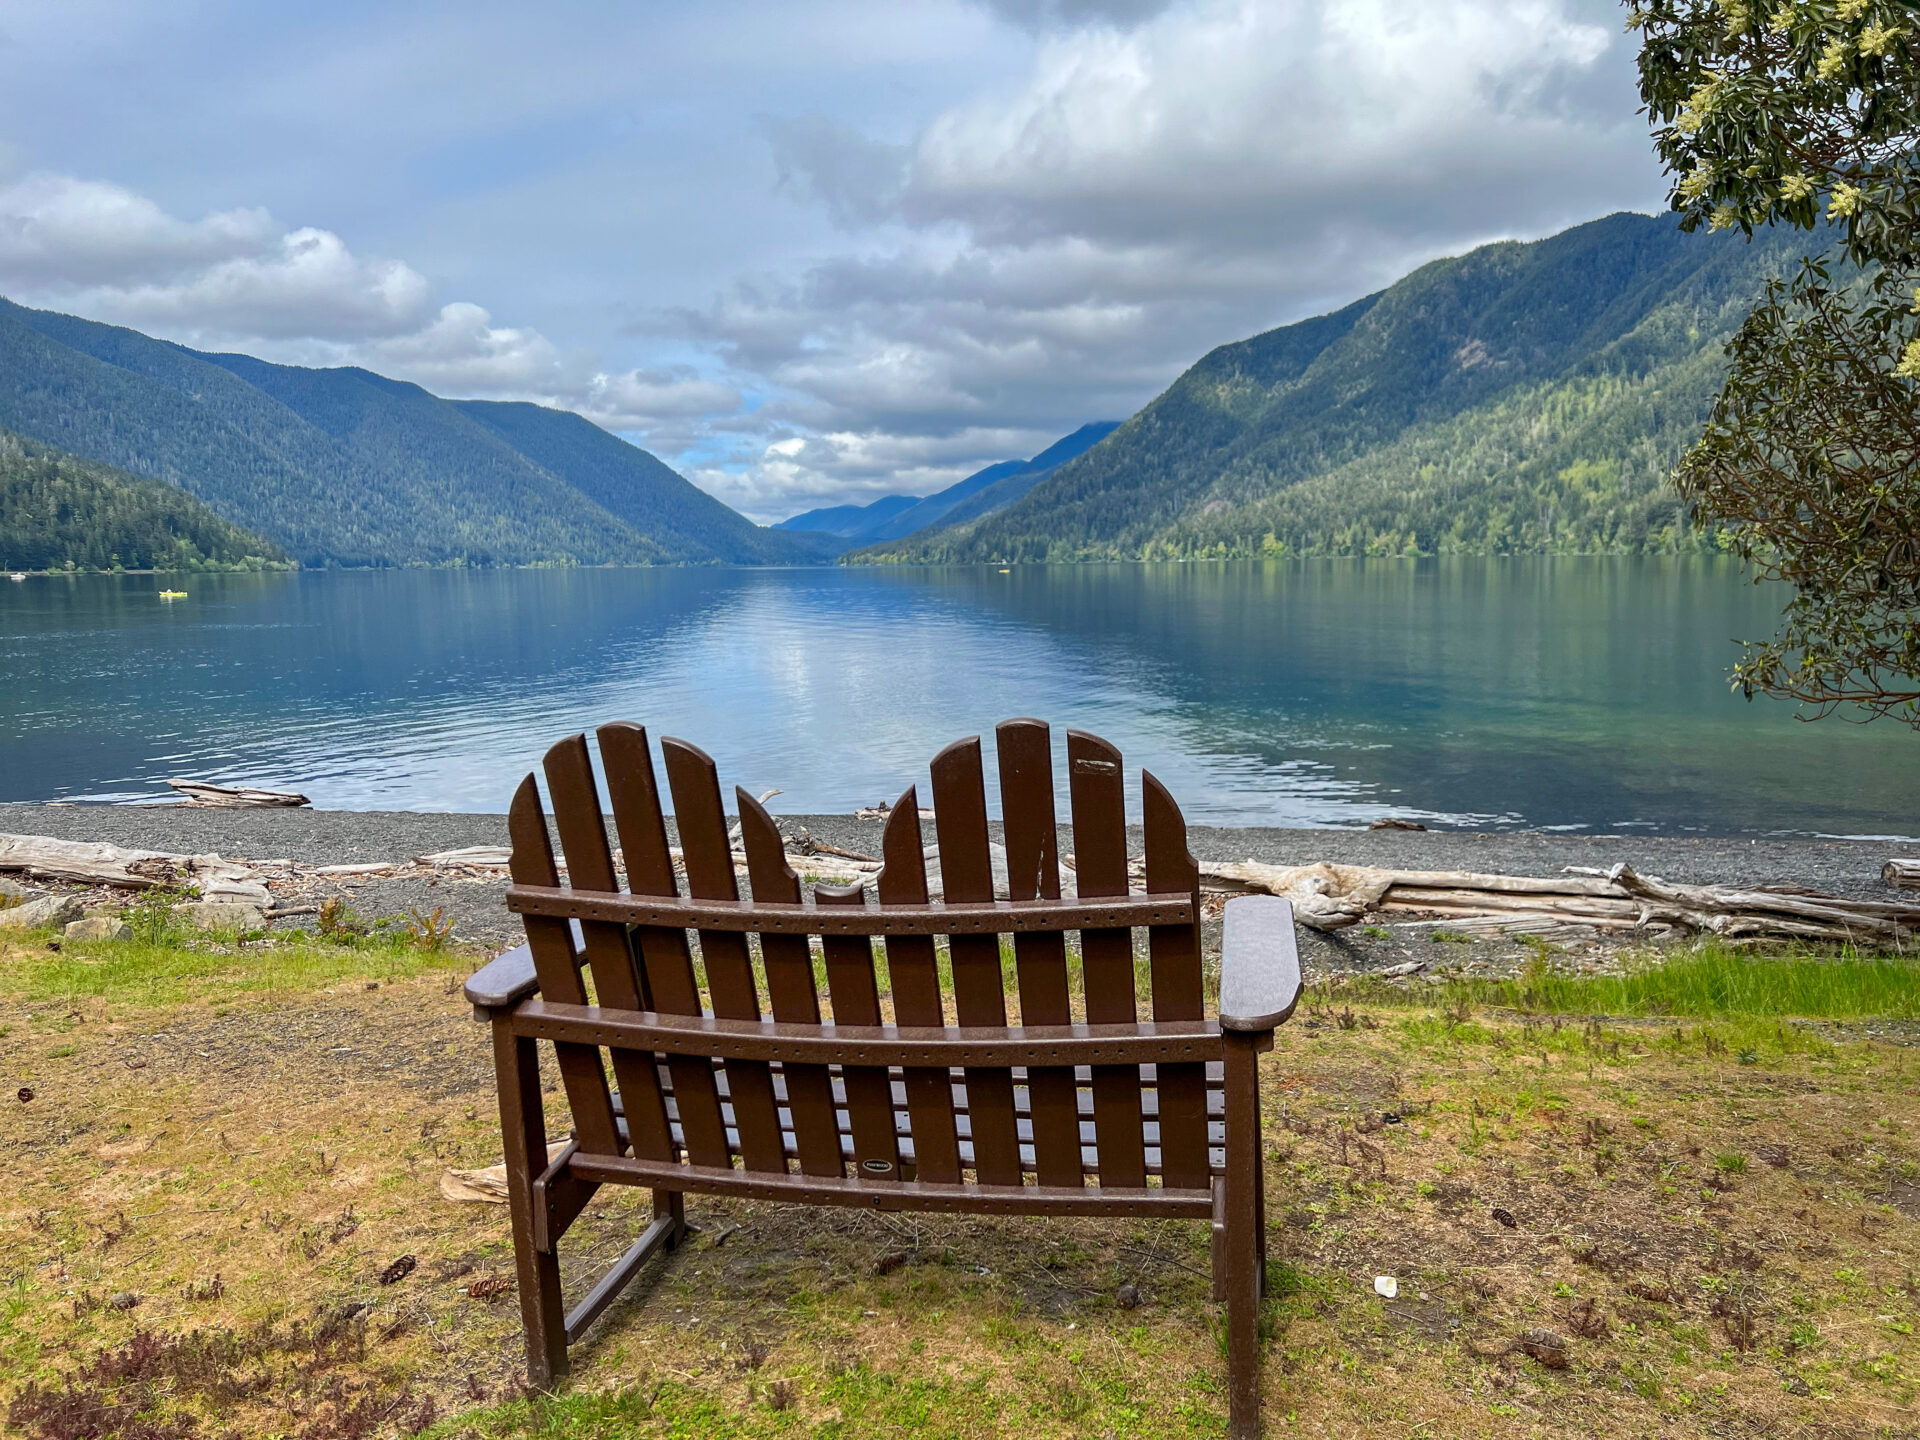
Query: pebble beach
{"x": 474, "y": 904}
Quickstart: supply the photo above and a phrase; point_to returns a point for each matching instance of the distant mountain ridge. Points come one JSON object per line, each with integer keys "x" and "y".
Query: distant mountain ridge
{"x": 345, "y": 467}
{"x": 985, "y": 491}
{"x": 1522, "y": 397}
{"x": 849, "y": 520}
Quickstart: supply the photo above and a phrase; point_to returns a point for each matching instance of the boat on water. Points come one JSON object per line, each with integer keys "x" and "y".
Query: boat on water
{"x": 173, "y": 594}
{"x": 17, "y": 576}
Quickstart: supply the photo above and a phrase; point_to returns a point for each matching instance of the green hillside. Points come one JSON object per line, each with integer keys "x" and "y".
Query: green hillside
{"x": 1522, "y": 397}
{"x": 639, "y": 489}
{"x": 344, "y": 467}
{"x": 60, "y": 512}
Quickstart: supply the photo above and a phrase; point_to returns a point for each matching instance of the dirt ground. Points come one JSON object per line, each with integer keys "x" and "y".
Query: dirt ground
{"x": 223, "y": 1217}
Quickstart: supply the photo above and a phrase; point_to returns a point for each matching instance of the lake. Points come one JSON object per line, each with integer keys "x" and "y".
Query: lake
{"x": 1562, "y": 693}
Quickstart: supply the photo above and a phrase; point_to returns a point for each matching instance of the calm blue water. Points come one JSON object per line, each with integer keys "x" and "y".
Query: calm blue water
{"x": 1576, "y": 693}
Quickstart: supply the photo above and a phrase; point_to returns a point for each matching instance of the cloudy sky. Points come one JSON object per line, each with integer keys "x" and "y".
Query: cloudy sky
{"x": 808, "y": 251}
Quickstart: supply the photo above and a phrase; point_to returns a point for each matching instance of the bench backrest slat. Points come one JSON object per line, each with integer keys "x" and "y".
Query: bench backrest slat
{"x": 635, "y": 798}
{"x": 616, "y": 980}
{"x": 551, "y": 942}
{"x": 788, "y": 960}
{"x": 856, "y": 995}
{"x": 1021, "y": 1118}
{"x": 913, "y": 967}
{"x": 1040, "y": 958}
{"x": 695, "y": 782}
{"x": 1096, "y": 790}
{"x": 966, "y": 873}
{"x": 666, "y": 960}
{"x": 1174, "y": 955}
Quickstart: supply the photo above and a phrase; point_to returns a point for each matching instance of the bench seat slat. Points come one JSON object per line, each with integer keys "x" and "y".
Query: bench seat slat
{"x": 903, "y": 1128}
{"x": 896, "y": 1194}
{"x": 1089, "y": 1155}
{"x": 1216, "y": 1102}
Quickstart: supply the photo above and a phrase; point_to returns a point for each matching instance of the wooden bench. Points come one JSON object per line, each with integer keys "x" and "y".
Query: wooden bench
{"x": 1088, "y": 1110}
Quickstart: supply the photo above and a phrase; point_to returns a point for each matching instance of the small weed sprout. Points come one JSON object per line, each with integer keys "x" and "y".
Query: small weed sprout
{"x": 1730, "y": 1162}
{"x": 1536, "y": 973}
{"x": 338, "y": 923}
{"x": 428, "y": 932}
{"x": 151, "y": 918}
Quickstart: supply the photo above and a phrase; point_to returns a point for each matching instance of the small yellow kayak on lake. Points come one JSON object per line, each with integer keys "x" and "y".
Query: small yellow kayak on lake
{"x": 173, "y": 594}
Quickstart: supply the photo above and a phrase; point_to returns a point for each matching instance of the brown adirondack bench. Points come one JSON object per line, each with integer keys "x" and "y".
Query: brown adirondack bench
{"x": 945, "y": 1106}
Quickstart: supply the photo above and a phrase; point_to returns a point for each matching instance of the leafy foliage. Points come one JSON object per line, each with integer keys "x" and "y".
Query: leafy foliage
{"x": 58, "y": 511}
{"x": 1809, "y": 462}
{"x": 1523, "y": 397}
{"x": 1766, "y": 115}
{"x": 1809, "y": 115}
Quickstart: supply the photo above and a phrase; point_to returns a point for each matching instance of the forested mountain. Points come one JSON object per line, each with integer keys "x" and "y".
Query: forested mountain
{"x": 58, "y": 511}
{"x": 1521, "y": 397}
{"x": 634, "y": 486}
{"x": 345, "y": 467}
{"x": 1003, "y": 490}
{"x": 981, "y": 493}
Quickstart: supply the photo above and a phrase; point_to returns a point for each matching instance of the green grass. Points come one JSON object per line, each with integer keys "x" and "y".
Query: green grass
{"x": 1090, "y": 1398}
{"x": 1710, "y": 981}
{"x": 173, "y": 970}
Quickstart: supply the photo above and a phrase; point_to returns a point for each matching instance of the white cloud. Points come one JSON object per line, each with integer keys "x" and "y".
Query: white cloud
{"x": 803, "y": 472}
{"x": 1163, "y": 179}
{"x": 304, "y": 285}
{"x": 112, "y": 254}
{"x": 61, "y": 231}
{"x": 1217, "y": 123}
{"x": 236, "y": 280}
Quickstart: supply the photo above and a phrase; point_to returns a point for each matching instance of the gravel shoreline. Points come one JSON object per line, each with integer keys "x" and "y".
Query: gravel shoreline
{"x": 1840, "y": 867}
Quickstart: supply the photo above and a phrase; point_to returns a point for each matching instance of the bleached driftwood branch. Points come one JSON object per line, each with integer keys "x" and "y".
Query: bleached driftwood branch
{"x": 1330, "y": 897}
{"x": 1902, "y": 874}
{"x": 235, "y": 797}
{"x": 95, "y": 863}
{"x": 88, "y": 862}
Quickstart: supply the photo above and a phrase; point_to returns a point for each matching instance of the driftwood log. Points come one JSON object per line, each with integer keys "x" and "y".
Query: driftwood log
{"x": 1331, "y": 897}
{"x": 480, "y": 857}
{"x": 94, "y": 863}
{"x": 1325, "y": 896}
{"x": 235, "y": 797}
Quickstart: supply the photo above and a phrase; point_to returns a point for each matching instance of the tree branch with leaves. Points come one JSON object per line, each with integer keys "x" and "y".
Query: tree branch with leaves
{"x": 1807, "y": 113}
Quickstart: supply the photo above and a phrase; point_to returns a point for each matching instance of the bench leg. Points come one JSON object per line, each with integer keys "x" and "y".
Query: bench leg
{"x": 672, "y": 1205}
{"x": 1219, "y": 1252}
{"x": 523, "y": 1133}
{"x": 1260, "y": 1203}
{"x": 1242, "y": 1262}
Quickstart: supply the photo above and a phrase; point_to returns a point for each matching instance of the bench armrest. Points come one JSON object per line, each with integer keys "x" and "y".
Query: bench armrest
{"x": 503, "y": 981}
{"x": 1259, "y": 964}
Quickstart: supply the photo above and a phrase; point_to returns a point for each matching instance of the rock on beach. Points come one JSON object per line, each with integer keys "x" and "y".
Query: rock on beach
{"x": 98, "y": 927}
{"x": 47, "y": 910}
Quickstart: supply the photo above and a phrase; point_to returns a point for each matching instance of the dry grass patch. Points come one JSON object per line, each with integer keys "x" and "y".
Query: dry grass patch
{"x": 215, "y": 1199}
